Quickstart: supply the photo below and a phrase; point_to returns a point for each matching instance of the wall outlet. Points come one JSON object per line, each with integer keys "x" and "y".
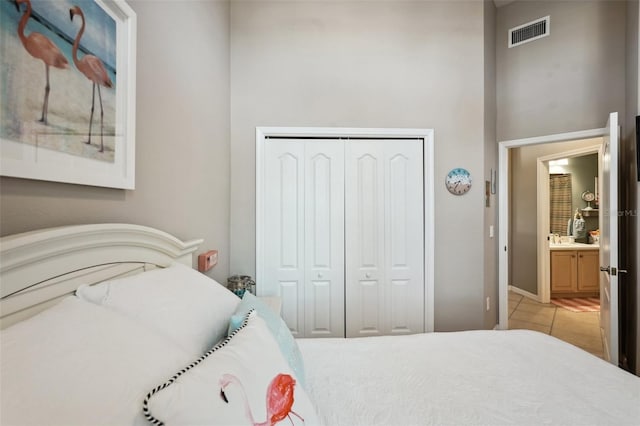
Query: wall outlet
{"x": 207, "y": 260}
{"x": 488, "y": 303}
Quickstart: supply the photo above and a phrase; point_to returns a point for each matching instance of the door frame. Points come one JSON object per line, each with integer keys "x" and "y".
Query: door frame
{"x": 427, "y": 136}
{"x": 542, "y": 167}
{"x": 504, "y": 210}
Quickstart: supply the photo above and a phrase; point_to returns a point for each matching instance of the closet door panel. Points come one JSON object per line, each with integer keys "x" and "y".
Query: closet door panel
{"x": 364, "y": 238}
{"x": 404, "y": 228}
{"x": 365, "y": 318}
{"x": 384, "y": 237}
{"x": 400, "y": 299}
{"x": 284, "y": 229}
{"x": 324, "y": 238}
{"x": 318, "y": 309}
{"x": 289, "y": 295}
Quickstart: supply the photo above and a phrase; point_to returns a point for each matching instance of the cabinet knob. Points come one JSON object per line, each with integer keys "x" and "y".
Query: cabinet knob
{"x": 368, "y": 275}
{"x": 319, "y": 275}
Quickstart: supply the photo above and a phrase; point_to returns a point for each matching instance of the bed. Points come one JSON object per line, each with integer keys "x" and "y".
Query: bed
{"x": 108, "y": 324}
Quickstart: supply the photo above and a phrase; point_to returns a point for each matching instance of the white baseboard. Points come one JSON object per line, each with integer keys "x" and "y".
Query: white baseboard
{"x": 525, "y": 293}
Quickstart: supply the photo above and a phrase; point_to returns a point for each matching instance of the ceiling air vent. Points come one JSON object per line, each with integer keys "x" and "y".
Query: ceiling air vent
{"x": 529, "y": 31}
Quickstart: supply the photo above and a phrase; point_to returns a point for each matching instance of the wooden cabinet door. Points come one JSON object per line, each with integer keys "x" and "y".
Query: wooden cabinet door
{"x": 588, "y": 270}
{"x": 563, "y": 271}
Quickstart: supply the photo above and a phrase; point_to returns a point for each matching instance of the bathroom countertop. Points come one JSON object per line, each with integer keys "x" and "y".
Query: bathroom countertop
{"x": 574, "y": 246}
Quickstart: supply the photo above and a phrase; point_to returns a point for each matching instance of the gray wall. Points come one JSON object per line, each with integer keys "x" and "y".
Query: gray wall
{"x": 182, "y": 140}
{"x": 490, "y": 163}
{"x": 369, "y": 64}
{"x": 568, "y": 81}
{"x": 340, "y": 63}
{"x": 523, "y": 208}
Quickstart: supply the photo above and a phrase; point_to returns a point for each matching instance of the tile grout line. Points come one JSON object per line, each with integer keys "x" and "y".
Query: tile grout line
{"x": 553, "y": 320}
{"x": 516, "y": 308}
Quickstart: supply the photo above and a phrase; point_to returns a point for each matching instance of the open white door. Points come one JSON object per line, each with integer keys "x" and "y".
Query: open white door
{"x": 609, "y": 240}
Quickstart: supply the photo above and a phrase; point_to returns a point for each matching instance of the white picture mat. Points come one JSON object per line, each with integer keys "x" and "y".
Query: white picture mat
{"x": 31, "y": 162}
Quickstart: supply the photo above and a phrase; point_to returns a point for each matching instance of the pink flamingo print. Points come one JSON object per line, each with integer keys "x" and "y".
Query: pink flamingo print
{"x": 40, "y": 47}
{"x": 94, "y": 70}
{"x": 279, "y": 398}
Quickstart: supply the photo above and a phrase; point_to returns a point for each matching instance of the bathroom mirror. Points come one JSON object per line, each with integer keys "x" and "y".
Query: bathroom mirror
{"x": 569, "y": 179}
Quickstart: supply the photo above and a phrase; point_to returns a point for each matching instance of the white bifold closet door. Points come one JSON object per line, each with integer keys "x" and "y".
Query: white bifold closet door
{"x": 384, "y": 242}
{"x": 343, "y": 235}
{"x": 304, "y": 233}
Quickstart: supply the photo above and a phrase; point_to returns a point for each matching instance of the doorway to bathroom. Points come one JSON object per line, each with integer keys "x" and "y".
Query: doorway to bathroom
{"x": 567, "y": 225}
{"x": 608, "y": 262}
{"x": 554, "y": 275}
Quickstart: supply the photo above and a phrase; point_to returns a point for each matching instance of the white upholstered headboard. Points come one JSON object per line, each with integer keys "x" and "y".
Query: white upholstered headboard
{"x": 38, "y": 268}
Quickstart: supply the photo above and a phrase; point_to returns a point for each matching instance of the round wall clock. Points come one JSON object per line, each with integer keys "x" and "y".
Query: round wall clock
{"x": 458, "y": 181}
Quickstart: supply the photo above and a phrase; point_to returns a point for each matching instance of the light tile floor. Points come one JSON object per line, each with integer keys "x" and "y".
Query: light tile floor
{"x": 581, "y": 329}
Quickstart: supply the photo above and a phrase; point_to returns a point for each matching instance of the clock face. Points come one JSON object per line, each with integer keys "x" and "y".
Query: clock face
{"x": 458, "y": 181}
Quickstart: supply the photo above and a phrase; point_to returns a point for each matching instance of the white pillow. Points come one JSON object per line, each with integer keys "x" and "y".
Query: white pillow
{"x": 184, "y": 305}
{"x": 77, "y": 363}
{"x": 243, "y": 380}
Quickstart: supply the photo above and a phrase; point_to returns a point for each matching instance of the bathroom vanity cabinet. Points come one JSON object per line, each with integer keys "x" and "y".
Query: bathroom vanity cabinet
{"x": 575, "y": 273}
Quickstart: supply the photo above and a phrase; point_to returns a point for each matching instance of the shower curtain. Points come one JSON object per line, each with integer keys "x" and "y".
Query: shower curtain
{"x": 560, "y": 202}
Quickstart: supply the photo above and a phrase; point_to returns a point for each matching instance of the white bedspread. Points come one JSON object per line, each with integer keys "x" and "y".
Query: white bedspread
{"x": 513, "y": 377}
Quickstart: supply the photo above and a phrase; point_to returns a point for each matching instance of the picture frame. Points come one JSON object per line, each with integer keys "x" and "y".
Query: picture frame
{"x": 82, "y": 131}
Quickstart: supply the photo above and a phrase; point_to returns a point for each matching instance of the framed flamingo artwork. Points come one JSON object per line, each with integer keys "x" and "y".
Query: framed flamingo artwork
{"x": 67, "y": 93}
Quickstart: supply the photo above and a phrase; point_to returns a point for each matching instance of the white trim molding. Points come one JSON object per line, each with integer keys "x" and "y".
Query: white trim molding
{"x": 503, "y": 207}
{"x": 525, "y": 293}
